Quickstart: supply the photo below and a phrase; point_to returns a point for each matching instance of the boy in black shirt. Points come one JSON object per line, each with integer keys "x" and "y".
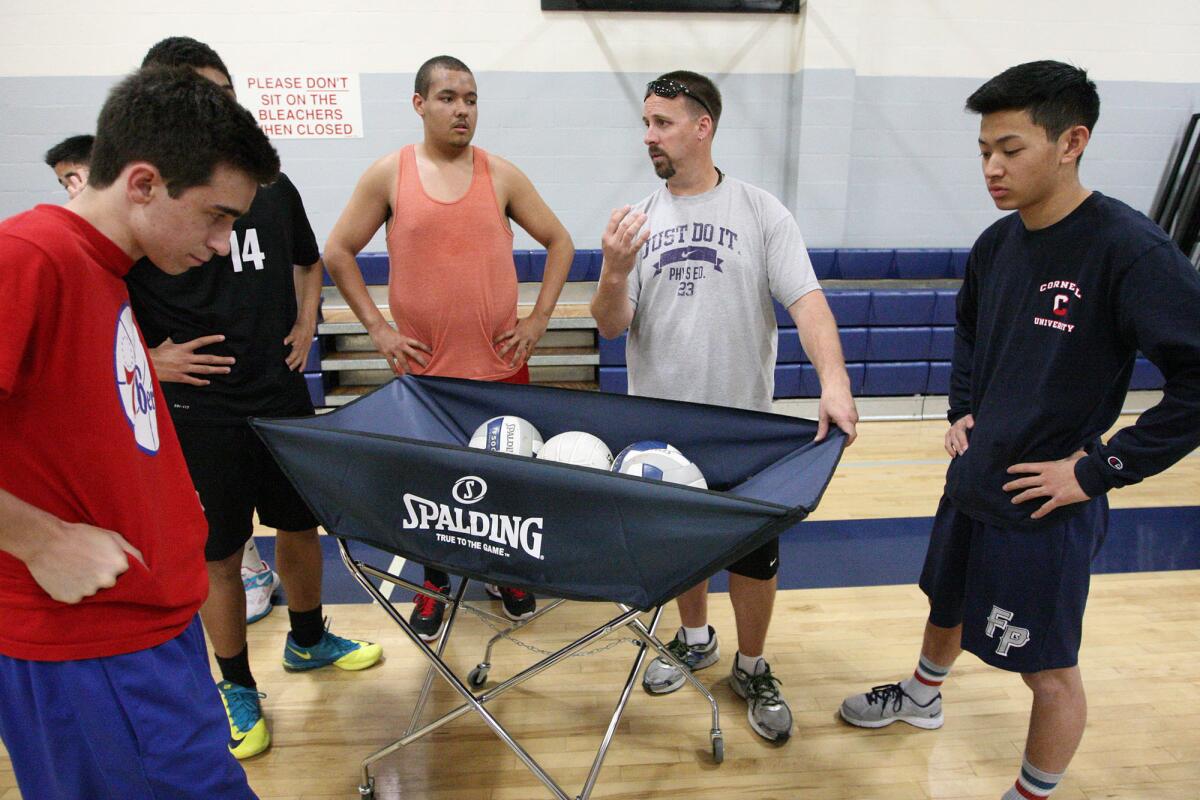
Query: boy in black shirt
{"x": 1056, "y": 302}
{"x": 212, "y": 382}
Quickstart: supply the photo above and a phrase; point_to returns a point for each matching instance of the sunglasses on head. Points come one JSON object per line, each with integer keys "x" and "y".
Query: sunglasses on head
{"x": 669, "y": 89}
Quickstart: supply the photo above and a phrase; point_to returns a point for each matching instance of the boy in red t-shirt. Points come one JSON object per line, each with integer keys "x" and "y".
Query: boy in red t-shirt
{"x": 104, "y": 688}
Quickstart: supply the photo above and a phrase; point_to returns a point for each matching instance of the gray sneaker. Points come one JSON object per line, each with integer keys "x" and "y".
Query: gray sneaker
{"x": 886, "y": 704}
{"x": 663, "y": 677}
{"x": 767, "y": 711}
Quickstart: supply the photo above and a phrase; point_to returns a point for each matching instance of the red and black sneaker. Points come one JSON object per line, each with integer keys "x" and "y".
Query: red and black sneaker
{"x": 429, "y": 614}
{"x": 518, "y": 604}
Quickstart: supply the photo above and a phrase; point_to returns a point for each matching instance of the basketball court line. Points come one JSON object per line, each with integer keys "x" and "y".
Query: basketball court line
{"x": 394, "y": 568}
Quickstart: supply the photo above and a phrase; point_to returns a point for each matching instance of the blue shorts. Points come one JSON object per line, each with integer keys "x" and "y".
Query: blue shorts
{"x": 1018, "y": 593}
{"x": 147, "y": 725}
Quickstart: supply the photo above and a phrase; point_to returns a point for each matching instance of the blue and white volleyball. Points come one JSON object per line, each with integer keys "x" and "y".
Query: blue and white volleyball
{"x": 639, "y": 447}
{"x": 659, "y": 461}
{"x": 512, "y": 435}
{"x": 579, "y": 448}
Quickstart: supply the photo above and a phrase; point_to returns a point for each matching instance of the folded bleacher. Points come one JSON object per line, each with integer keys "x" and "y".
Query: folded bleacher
{"x": 894, "y": 308}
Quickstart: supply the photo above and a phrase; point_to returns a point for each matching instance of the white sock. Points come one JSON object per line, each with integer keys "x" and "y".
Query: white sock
{"x": 250, "y": 556}
{"x": 1033, "y": 782}
{"x": 751, "y": 665}
{"x": 693, "y": 636}
{"x": 926, "y": 681}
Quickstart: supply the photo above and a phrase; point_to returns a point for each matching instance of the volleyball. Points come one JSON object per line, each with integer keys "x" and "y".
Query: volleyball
{"x": 658, "y": 461}
{"x": 507, "y": 435}
{"x": 579, "y": 448}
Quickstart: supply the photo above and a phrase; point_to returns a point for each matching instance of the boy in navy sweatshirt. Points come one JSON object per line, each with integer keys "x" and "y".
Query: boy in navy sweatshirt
{"x": 1057, "y": 300}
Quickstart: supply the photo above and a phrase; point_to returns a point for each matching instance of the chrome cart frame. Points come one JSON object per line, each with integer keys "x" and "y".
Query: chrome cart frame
{"x": 627, "y": 619}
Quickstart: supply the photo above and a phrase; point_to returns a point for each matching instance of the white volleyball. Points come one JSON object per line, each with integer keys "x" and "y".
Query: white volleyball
{"x": 507, "y": 434}
{"x": 577, "y": 447}
{"x": 658, "y": 461}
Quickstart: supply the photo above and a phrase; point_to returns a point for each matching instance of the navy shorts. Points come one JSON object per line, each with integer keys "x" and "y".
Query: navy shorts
{"x": 147, "y": 725}
{"x": 1019, "y": 593}
{"x": 235, "y": 476}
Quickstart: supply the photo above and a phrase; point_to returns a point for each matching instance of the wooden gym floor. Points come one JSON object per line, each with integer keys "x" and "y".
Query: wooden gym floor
{"x": 1140, "y": 663}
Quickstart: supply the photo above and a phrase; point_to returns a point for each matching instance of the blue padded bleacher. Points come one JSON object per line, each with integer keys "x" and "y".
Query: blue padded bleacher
{"x": 895, "y": 341}
{"x": 945, "y": 306}
{"x": 895, "y": 378}
{"x": 789, "y": 351}
{"x": 939, "y": 378}
{"x": 958, "y": 263}
{"x": 922, "y": 264}
{"x": 312, "y": 373}
{"x": 941, "y": 344}
{"x": 865, "y": 265}
{"x": 524, "y": 271}
{"x": 902, "y": 307}
{"x": 841, "y": 264}
{"x": 898, "y": 344}
{"x": 536, "y": 261}
{"x": 889, "y": 339}
{"x": 823, "y": 262}
{"x": 374, "y": 268}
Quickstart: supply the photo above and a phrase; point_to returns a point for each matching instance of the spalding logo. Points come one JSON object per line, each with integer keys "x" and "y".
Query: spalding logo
{"x": 135, "y": 386}
{"x": 468, "y": 490}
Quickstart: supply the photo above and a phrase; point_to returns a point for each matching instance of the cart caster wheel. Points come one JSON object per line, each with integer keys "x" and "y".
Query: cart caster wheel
{"x": 477, "y": 677}
{"x": 367, "y": 792}
{"x": 718, "y": 745}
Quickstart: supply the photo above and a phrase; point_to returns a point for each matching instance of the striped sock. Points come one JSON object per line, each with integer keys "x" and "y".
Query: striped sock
{"x": 1032, "y": 783}
{"x": 926, "y": 681}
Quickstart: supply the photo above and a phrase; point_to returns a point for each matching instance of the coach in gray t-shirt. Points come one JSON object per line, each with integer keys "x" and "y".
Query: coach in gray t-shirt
{"x": 691, "y": 271}
{"x": 703, "y": 328}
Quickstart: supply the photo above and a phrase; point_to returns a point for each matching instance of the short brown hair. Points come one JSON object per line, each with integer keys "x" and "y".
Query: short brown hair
{"x": 184, "y": 125}
{"x": 703, "y": 92}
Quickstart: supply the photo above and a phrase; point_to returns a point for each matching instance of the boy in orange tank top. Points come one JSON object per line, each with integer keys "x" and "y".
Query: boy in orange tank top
{"x": 452, "y": 285}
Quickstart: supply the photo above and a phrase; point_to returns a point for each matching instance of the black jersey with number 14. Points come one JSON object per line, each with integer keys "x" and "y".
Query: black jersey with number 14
{"x": 250, "y": 297}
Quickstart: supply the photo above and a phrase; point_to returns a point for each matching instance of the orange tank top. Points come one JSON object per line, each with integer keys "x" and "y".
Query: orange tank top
{"x": 452, "y": 283}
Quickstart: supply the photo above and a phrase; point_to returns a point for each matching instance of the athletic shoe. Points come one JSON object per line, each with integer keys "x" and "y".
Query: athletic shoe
{"x": 248, "y": 734}
{"x": 886, "y": 704}
{"x": 348, "y": 654}
{"x": 663, "y": 677}
{"x": 517, "y": 604}
{"x": 767, "y": 711}
{"x": 259, "y": 584}
{"x": 428, "y": 614}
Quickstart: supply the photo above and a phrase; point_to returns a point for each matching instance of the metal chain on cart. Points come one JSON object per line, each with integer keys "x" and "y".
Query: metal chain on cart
{"x": 503, "y": 633}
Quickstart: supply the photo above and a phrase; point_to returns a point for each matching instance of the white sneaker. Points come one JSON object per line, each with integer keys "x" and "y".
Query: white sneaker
{"x": 259, "y": 584}
{"x": 767, "y": 711}
{"x": 889, "y": 703}
{"x": 663, "y": 677}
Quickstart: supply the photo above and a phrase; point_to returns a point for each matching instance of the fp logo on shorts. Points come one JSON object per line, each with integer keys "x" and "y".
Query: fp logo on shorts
{"x": 1010, "y": 636}
{"x": 468, "y": 490}
{"x": 135, "y": 386}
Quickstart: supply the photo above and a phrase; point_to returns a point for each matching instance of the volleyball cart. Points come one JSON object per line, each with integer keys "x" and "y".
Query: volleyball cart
{"x": 392, "y": 470}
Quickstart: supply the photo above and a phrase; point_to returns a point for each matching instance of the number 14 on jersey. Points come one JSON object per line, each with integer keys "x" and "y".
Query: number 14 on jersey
{"x": 247, "y": 252}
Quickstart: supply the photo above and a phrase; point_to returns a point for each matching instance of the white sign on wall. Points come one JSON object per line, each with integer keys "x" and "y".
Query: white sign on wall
{"x": 296, "y": 106}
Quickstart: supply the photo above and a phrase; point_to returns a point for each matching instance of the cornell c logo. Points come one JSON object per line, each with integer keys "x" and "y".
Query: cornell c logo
{"x": 469, "y": 489}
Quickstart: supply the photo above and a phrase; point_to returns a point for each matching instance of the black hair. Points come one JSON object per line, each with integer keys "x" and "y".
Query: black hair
{"x": 702, "y": 92}
{"x": 184, "y": 51}
{"x": 72, "y": 150}
{"x": 1057, "y": 96}
{"x": 425, "y": 73}
{"x": 184, "y": 125}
